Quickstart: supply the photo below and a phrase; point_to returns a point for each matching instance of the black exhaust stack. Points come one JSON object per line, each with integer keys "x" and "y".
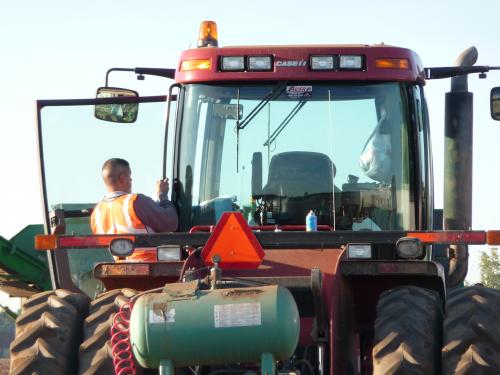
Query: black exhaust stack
{"x": 457, "y": 210}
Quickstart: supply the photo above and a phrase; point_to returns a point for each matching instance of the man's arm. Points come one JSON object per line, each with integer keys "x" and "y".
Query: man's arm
{"x": 161, "y": 216}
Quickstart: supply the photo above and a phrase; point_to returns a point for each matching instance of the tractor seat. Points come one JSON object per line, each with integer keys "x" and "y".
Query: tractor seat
{"x": 300, "y": 181}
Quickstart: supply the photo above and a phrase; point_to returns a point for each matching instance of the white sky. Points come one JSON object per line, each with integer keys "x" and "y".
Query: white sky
{"x": 62, "y": 49}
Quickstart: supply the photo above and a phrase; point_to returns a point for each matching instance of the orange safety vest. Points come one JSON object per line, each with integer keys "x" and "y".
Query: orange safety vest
{"x": 118, "y": 217}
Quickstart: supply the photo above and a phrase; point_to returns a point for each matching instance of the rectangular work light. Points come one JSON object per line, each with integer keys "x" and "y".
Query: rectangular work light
{"x": 359, "y": 251}
{"x": 259, "y": 63}
{"x": 232, "y": 63}
{"x": 322, "y": 63}
{"x": 168, "y": 253}
{"x": 350, "y": 62}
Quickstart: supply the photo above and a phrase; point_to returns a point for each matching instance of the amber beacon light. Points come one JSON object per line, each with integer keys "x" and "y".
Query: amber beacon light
{"x": 208, "y": 34}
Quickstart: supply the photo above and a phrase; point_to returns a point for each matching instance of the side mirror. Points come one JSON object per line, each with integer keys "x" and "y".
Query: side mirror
{"x": 116, "y": 112}
{"x": 495, "y": 103}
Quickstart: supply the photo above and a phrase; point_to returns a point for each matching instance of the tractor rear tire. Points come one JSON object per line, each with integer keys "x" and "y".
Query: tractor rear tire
{"x": 48, "y": 332}
{"x": 95, "y": 351}
{"x": 407, "y": 332}
{"x": 471, "y": 342}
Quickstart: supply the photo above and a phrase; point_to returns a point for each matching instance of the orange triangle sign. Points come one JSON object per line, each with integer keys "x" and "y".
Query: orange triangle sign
{"x": 235, "y": 243}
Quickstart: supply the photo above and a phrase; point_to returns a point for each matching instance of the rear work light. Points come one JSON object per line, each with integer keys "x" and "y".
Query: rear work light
{"x": 232, "y": 63}
{"x": 202, "y": 64}
{"x": 168, "y": 253}
{"x": 121, "y": 247}
{"x": 392, "y": 63}
{"x": 409, "y": 248}
{"x": 260, "y": 63}
{"x": 359, "y": 251}
{"x": 322, "y": 63}
{"x": 350, "y": 62}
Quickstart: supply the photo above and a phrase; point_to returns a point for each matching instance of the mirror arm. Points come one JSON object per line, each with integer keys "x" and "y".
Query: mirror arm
{"x": 116, "y": 70}
{"x": 160, "y": 72}
{"x": 453, "y": 71}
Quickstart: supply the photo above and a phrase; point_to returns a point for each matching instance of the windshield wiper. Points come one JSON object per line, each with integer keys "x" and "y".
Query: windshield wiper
{"x": 277, "y": 90}
{"x": 285, "y": 122}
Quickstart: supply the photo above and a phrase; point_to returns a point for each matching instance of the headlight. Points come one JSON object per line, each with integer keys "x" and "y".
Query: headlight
{"x": 359, "y": 251}
{"x": 409, "y": 248}
{"x": 168, "y": 253}
{"x": 121, "y": 247}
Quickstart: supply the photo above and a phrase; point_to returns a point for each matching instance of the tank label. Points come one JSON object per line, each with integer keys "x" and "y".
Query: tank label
{"x": 162, "y": 316}
{"x": 237, "y": 315}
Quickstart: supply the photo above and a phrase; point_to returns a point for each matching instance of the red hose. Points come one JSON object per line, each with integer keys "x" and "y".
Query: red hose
{"x": 123, "y": 360}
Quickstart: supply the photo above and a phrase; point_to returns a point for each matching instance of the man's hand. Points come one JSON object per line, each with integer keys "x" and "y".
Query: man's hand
{"x": 162, "y": 186}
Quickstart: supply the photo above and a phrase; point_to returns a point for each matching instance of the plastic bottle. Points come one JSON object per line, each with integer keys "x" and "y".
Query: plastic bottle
{"x": 311, "y": 222}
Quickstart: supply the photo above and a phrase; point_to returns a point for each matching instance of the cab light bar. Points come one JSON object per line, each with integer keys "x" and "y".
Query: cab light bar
{"x": 392, "y": 63}
{"x": 52, "y": 241}
{"x": 201, "y": 64}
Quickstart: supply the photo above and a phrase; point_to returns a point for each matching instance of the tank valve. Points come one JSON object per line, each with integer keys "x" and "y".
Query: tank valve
{"x": 215, "y": 272}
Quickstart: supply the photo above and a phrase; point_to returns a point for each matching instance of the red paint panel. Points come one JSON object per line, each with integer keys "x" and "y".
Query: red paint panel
{"x": 291, "y": 262}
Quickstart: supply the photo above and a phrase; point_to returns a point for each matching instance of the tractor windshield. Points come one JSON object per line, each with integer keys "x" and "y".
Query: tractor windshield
{"x": 276, "y": 151}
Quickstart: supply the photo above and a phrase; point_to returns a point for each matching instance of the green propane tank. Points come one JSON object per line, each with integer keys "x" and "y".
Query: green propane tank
{"x": 185, "y": 326}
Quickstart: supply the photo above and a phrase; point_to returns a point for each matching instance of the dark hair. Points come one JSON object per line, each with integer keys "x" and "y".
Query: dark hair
{"x": 115, "y": 162}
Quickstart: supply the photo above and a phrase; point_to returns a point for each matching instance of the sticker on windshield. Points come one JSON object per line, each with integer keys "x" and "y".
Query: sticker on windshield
{"x": 294, "y": 92}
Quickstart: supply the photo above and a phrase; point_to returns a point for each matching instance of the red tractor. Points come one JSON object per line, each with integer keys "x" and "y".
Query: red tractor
{"x": 255, "y": 140}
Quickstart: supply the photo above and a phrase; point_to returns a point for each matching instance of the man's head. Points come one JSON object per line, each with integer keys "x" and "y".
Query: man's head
{"x": 116, "y": 175}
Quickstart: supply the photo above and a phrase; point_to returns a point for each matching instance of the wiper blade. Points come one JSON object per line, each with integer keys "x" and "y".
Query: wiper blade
{"x": 285, "y": 122}
{"x": 277, "y": 90}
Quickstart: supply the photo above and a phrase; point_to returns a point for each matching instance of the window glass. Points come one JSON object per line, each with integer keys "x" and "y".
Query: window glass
{"x": 75, "y": 146}
{"x": 274, "y": 152}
